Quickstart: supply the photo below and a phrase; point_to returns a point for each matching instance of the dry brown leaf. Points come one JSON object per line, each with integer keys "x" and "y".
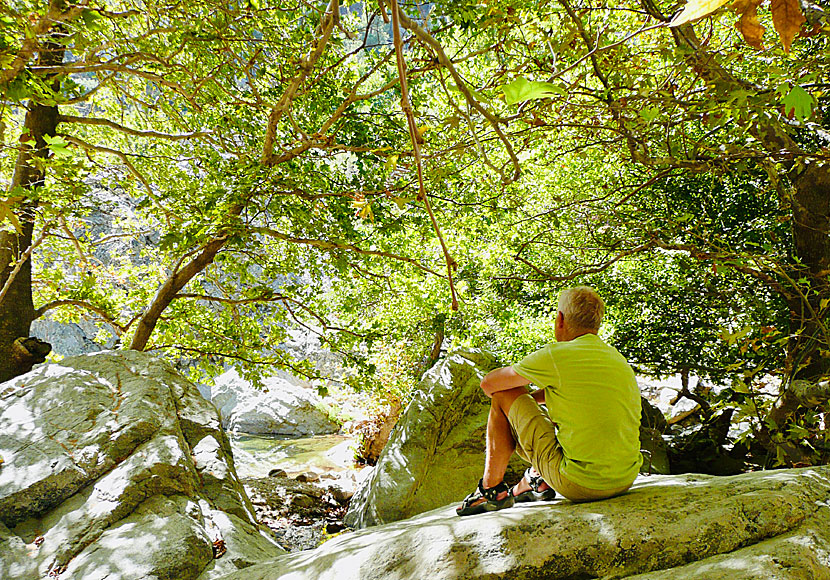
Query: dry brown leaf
{"x": 787, "y": 19}
{"x": 748, "y": 25}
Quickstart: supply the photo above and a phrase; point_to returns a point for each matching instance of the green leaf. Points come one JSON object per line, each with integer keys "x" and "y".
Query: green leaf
{"x": 798, "y": 432}
{"x": 58, "y": 146}
{"x": 649, "y": 113}
{"x": 798, "y": 102}
{"x": 17, "y": 90}
{"x": 92, "y": 19}
{"x": 522, "y": 89}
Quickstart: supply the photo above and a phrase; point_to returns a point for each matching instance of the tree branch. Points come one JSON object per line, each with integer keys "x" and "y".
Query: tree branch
{"x": 167, "y": 292}
{"x": 54, "y": 15}
{"x": 328, "y": 246}
{"x": 130, "y": 131}
{"x": 494, "y": 120}
{"x": 27, "y": 253}
{"x": 330, "y": 18}
{"x": 415, "y": 137}
{"x": 86, "y": 306}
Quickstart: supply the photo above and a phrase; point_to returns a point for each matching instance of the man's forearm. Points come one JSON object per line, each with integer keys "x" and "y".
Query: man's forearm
{"x": 539, "y": 396}
{"x": 501, "y": 380}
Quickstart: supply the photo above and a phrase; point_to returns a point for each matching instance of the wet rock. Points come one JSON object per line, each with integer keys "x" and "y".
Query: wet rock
{"x": 299, "y": 502}
{"x": 308, "y": 476}
{"x": 298, "y": 513}
{"x": 277, "y": 472}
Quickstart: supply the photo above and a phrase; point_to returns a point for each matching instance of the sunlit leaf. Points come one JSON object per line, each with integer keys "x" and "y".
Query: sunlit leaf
{"x": 799, "y": 103}
{"x": 522, "y": 89}
{"x": 696, "y": 9}
{"x": 748, "y": 24}
{"x": 58, "y": 146}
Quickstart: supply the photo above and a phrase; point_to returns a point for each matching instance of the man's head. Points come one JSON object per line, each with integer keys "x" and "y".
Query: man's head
{"x": 579, "y": 312}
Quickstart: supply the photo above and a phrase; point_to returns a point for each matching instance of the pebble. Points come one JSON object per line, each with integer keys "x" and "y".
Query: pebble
{"x": 308, "y": 477}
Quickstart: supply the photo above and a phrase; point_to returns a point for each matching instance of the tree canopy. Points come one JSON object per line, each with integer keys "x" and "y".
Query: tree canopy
{"x": 202, "y": 177}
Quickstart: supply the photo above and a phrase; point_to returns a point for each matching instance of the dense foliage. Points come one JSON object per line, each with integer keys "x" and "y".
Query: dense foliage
{"x": 204, "y": 178}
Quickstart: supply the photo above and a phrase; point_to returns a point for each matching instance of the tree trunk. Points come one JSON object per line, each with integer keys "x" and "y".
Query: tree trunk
{"x": 167, "y": 292}
{"x": 18, "y": 353}
{"x": 811, "y": 236}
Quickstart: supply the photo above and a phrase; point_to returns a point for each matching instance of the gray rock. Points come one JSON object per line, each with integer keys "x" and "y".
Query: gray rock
{"x": 767, "y": 525}
{"x": 435, "y": 454}
{"x": 652, "y": 427}
{"x": 283, "y": 407}
{"x": 70, "y": 338}
{"x": 115, "y": 466}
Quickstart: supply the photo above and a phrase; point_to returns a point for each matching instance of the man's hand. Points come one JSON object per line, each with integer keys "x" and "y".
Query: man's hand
{"x": 501, "y": 380}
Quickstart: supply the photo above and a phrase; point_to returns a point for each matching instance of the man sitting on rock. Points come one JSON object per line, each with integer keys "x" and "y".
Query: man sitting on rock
{"x": 586, "y": 446}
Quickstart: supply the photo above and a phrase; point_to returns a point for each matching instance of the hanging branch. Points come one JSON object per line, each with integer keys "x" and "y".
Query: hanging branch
{"x": 416, "y": 149}
{"x": 445, "y": 61}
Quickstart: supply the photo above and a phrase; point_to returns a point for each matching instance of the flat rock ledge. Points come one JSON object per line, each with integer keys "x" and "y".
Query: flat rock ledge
{"x": 763, "y": 525}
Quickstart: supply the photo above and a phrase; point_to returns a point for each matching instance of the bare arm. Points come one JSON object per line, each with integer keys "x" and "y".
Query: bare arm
{"x": 501, "y": 380}
{"x": 539, "y": 396}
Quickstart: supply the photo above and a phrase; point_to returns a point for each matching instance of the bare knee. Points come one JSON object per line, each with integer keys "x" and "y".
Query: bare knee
{"x": 504, "y": 399}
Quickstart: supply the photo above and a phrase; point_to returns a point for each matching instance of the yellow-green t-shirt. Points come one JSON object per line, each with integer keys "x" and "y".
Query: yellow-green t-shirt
{"x": 592, "y": 396}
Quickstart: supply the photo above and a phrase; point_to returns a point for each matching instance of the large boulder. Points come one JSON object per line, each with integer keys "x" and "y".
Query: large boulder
{"x": 281, "y": 407}
{"x": 113, "y": 466}
{"x": 764, "y": 525}
{"x": 435, "y": 454}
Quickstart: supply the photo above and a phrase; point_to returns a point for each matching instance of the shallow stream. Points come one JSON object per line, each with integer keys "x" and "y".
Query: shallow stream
{"x": 256, "y": 455}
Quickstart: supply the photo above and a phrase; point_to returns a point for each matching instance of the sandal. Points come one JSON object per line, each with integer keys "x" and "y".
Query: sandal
{"x": 535, "y": 481}
{"x": 473, "y": 505}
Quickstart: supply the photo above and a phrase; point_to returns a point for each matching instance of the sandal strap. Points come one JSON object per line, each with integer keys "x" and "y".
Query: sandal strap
{"x": 534, "y": 481}
{"x": 492, "y": 493}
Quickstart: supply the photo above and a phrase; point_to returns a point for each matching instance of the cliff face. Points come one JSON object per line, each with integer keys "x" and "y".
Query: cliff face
{"x": 114, "y": 466}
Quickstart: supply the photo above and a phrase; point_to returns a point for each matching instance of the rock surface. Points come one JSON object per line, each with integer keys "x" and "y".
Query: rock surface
{"x": 435, "y": 454}
{"x": 652, "y": 427}
{"x": 283, "y": 407}
{"x": 116, "y": 467}
{"x": 760, "y": 525}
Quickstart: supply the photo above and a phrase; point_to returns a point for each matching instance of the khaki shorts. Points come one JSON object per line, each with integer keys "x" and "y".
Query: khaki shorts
{"x": 535, "y": 436}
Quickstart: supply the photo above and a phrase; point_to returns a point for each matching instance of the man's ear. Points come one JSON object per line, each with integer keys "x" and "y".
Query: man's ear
{"x": 560, "y": 319}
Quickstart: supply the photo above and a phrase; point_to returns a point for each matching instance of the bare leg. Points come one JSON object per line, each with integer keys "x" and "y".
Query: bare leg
{"x": 500, "y": 443}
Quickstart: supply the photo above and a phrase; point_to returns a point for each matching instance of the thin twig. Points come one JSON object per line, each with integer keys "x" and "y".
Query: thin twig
{"x": 22, "y": 260}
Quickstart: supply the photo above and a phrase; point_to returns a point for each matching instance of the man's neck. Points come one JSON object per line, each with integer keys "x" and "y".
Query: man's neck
{"x": 570, "y": 334}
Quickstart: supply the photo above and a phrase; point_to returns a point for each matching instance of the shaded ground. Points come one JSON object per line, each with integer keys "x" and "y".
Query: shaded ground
{"x": 302, "y": 515}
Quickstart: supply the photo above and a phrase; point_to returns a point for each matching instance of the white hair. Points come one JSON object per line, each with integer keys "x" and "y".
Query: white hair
{"x": 582, "y": 307}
